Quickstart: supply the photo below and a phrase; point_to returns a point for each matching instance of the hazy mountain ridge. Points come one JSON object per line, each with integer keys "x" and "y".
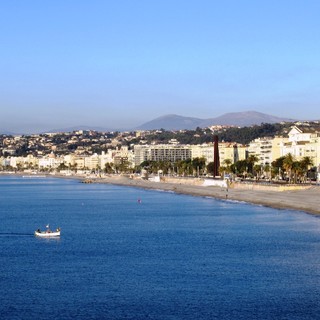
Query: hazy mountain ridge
{"x": 172, "y": 122}
{"x": 240, "y": 119}
{"x": 178, "y": 122}
{"x": 7, "y": 133}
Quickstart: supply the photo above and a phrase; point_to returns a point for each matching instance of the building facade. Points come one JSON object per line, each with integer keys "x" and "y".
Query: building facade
{"x": 262, "y": 149}
{"x": 162, "y": 152}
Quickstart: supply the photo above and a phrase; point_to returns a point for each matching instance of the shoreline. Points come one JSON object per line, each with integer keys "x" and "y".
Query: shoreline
{"x": 306, "y": 200}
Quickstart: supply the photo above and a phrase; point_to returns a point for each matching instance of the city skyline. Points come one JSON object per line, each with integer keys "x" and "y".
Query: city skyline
{"x": 118, "y": 65}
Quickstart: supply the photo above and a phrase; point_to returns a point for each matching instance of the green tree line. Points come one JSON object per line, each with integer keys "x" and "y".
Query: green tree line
{"x": 234, "y": 134}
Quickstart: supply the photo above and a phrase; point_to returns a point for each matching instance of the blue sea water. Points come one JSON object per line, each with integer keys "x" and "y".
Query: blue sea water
{"x": 169, "y": 257}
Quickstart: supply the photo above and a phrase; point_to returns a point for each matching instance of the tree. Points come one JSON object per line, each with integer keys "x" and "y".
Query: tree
{"x": 187, "y": 167}
{"x": 226, "y": 167}
{"x": 288, "y": 165}
{"x": 239, "y": 167}
{"x": 164, "y": 166}
{"x": 181, "y": 168}
{"x": 251, "y": 160}
{"x": 257, "y": 170}
{"x": 305, "y": 165}
{"x": 210, "y": 168}
{"x": 198, "y": 165}
{"x": 296, "y": 170}
{"x": 267, "y": 170}
{"x": 62, "y": 166}
{"x": 277, "y": 167}
{"x": 227, "y": 163}
{"x": 124, "y": 167}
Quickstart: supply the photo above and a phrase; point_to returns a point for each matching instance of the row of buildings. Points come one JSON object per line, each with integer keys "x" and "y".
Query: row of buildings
{"x": 299, "y": 142}
{"x": 131, "y": 157}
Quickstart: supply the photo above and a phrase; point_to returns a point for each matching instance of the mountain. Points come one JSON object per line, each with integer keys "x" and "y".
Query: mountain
{"x": 177, "y": 122}
{"x": 243, "y": 119}
{"x": 239, "y": 119}
{"x": 7, "y": 133}
{"x": 172, "y": 122}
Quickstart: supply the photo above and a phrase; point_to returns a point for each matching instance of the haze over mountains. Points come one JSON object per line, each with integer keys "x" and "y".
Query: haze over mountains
{"x": 177, "y": 122}
{"x": 239, "y": 119}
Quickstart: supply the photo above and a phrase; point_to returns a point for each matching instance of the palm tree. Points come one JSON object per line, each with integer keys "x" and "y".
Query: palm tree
{"x": 267, "y": 170}
{"x": 108, "y": 168}
{"x": 165, "y": 166}
{"x": 19, "y": 166}
{"x": 188, "y": 167}
{"x": 198, "y": 165}
{"x": 257, "y": 169}
{"x": 155, "y": 166}
{"x": 240, "y": 167}
{"x": 288, "y": 164}
{"x": 180, "y": 165}
{"x": 305, "y": 164}
{"x": 297, "y": 170}
{"x": 124, "y": 166}
{"x": 251, "y": 160}
{"x": 227, "y": 163}
{"x": 210, "y": 168}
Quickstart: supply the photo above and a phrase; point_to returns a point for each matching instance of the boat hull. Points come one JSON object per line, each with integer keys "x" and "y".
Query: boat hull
{"x": 47, "y": 234}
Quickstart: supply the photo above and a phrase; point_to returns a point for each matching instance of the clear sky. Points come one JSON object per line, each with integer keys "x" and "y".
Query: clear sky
{"x": 120, "y": 63}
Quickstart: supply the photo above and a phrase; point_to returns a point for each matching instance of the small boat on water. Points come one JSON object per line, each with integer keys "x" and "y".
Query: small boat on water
{"x": 47, "y": 233}
{"x": 35, "y": 176}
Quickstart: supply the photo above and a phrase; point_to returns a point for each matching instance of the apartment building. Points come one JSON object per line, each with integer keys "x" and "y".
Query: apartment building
{"x": 92, "y": 162}
{"x": 203, "y": 151}
{"x": 276, "y": 149}
{"x": 173, "y": 153}
{"x": 162, "y": 152}
{"x": 232, "y": 151}
{"x": 302, "y": 142}
{"x": 122, "y": 155}
{"x": 262, "y": 149}
{"x": 49, "y": 161}
{"x": 22, "y": 162}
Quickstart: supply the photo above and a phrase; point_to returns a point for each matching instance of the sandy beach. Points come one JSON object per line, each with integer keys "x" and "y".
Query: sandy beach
{"x": 307, "y": 199}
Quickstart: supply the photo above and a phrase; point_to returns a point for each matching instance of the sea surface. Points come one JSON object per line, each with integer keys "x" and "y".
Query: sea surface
{"x": 129, "y": 253}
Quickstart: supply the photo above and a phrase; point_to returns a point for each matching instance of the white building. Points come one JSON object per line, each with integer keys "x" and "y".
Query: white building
{"x": 92, "y": 162}
{"x": 302, "y": 143}
{"x": 203, "y": 151}
{"x": 262, "y": 149}
{"x": 161, "y": 152}
{"x": 49, "y": 161}
{"x": 173, "y": 153}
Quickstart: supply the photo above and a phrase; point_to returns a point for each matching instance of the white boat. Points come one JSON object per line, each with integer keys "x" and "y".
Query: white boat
{"x": 35, "y": 176}
{"x": 47, "y": 233}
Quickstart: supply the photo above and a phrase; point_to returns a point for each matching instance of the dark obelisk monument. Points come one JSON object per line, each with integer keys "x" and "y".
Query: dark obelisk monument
{"x": 216, "y": 160}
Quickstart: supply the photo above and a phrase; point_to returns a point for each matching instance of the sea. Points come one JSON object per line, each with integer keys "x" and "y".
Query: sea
{"x": 130, "y": 253}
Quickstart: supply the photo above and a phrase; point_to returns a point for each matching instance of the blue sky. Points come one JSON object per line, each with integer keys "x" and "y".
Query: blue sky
{"x": 118, "y": 64}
